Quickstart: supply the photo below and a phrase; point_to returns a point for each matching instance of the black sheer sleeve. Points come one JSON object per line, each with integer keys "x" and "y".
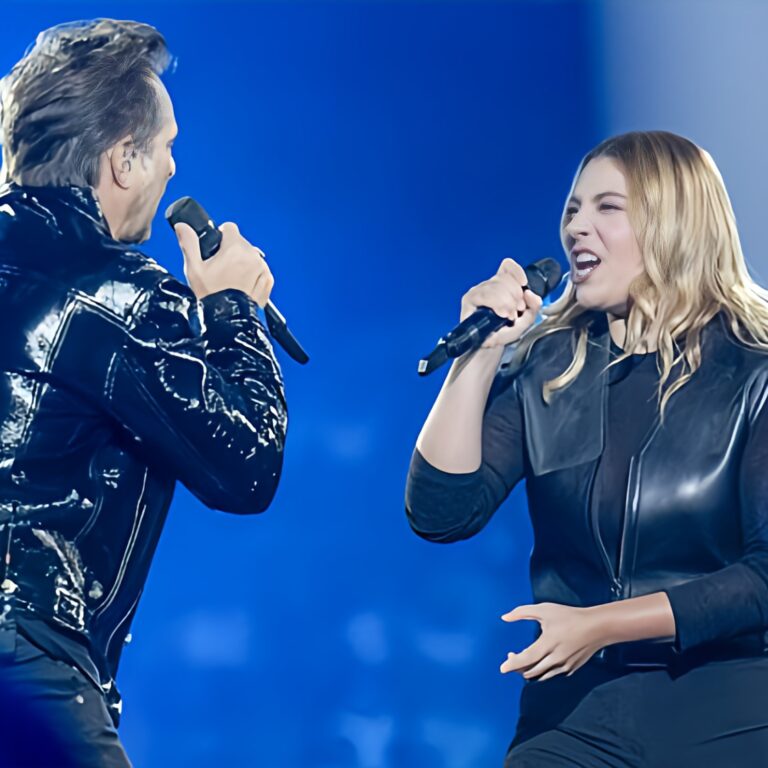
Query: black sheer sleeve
{"x": 447, "y": 507}
{"x": 733, "y": 600}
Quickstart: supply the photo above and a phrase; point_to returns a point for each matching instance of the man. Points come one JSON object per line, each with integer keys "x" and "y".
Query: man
{"x": 116, "y": 380}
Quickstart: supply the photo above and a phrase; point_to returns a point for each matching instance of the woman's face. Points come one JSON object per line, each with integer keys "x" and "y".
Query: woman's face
{"x": 602, "y": 247}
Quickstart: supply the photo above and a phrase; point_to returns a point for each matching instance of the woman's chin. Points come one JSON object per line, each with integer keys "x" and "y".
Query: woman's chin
{"x": 588, "y": 299}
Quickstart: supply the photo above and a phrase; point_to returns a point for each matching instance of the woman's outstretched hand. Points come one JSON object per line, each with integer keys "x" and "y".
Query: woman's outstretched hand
{"x": 569, "y": 637}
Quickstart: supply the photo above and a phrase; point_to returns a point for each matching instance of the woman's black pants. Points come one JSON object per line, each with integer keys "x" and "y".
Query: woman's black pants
{"x": 712, "y": 716}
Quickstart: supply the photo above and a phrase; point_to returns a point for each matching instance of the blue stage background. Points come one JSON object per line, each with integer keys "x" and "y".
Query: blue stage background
{"x": 386, "y": 156}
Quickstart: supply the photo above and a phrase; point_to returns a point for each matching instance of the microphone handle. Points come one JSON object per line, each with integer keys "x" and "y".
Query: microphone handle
{"x": 189, "y": 211}
{"x": 473, "y": 331}
{"x": 541, "y": 276}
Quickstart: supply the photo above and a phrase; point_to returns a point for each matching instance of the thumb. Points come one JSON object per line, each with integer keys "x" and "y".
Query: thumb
{"x": 188, "y": 242}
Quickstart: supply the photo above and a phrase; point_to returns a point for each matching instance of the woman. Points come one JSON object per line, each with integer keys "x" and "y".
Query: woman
{"x": 635, "y": 411}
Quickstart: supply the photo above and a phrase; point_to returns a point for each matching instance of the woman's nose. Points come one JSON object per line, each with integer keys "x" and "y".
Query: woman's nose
{"x": 578, "y": 225}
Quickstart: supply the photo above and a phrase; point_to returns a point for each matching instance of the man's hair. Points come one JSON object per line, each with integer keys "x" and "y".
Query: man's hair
{"x": 78, "y": 90}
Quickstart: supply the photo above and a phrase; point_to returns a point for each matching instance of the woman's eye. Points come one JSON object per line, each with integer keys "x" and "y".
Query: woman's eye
{"x": 609, "y": 207}
{"x": 570, "y": 211}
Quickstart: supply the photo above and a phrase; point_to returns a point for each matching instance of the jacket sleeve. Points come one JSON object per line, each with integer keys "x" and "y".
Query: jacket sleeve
{"x": 445, "y": 507}
{"x": 734, "y": 600}
{"x": 198, "y": 387}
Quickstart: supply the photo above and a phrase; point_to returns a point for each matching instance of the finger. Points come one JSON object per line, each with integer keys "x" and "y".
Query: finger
{"x": 556, "y": 671}
{"x": 511, "y": 332}
{"x": 188, "y": 242}
{"x": 263, "y": 288}
{"x": 491, "y": 295}
{"x": 550, "y": 661}
{"x": 508, "y": 664}
{"x": 516, "y": 662}
{"x": 267, "y": 289}
{"x": 511, "y": 284}
{"x": 511, "y": 267}
{"x": 533, "y": 301}
{"x": 503, "y": 296}
{"x": 515, "y": 291}
{"x": 522, "y": 612}
{"x": 229, "y": 228}
{"x": 579, "y": 662}
{"x": 526, "y": 658}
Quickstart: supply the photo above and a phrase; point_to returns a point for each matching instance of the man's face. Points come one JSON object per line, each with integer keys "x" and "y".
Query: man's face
{"x": 152, "y": 171}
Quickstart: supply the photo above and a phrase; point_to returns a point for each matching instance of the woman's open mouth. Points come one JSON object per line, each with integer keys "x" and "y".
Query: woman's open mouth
{"x": 584, "y": 264}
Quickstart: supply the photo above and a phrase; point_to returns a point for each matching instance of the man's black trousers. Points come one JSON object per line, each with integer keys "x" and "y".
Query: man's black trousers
{"x": 50, "y": 713}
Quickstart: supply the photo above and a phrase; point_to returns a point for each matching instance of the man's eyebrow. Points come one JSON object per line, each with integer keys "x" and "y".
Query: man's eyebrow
{"x": 600, "y": 196}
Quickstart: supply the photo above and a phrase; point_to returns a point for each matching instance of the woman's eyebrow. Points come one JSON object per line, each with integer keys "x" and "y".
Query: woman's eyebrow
{"x": 599, "y": 196}
{"x": 608, "y": 194}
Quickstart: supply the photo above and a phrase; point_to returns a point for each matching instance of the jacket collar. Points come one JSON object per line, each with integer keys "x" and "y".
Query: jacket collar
{"x": 570, "y": 429}
{"x": 80, "y": 200}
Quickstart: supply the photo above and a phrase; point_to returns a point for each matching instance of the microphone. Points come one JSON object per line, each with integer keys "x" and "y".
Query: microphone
{"x": 543, "y": 277}
{"x": 188, "y": 211}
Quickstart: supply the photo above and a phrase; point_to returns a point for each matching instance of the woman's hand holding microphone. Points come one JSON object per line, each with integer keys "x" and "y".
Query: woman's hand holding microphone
{"x": 506, "y": 294}
{"x": 451, "y": 438}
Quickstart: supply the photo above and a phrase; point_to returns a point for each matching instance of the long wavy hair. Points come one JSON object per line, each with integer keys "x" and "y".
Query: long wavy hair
{"x": 694, "y": 266}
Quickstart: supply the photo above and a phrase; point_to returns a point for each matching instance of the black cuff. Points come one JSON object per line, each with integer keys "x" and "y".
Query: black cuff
{"x": 231, "y": 306}
{"x": 718, "y": 606}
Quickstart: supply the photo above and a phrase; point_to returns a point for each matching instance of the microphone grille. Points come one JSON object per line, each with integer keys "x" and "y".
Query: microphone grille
{"x": 543, "y": 276}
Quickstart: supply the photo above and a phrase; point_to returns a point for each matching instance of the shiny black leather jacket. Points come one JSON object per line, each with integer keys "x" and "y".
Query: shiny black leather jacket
{"x": 116, "y": 383}
{"x": 695, "y": 517}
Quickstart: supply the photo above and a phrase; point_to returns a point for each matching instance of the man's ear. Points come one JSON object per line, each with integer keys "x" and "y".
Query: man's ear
{"x": 122, "y": 159}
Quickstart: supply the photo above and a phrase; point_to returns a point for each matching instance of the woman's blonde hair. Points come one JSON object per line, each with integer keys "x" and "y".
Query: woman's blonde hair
{"x": 694, "y": 265}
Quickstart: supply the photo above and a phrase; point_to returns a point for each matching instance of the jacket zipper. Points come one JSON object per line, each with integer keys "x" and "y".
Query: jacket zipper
{"x": 6, "y": 586}
{"x": 120, "y": 624}
{"x": 615, "y": 580}
{"x": 138, "y": 519}
{"x": 621, "y": 586}
{"x": 629, "y": 524}
{"x": 616, "y": 585}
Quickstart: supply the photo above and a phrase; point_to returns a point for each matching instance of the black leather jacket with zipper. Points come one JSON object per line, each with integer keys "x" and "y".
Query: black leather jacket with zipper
{"x": 695, "y": 518}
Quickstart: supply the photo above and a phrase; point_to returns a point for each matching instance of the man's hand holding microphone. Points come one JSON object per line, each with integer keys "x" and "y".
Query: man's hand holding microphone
{"x": 217, "y": 258}
{"x": 237, "y": 264}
